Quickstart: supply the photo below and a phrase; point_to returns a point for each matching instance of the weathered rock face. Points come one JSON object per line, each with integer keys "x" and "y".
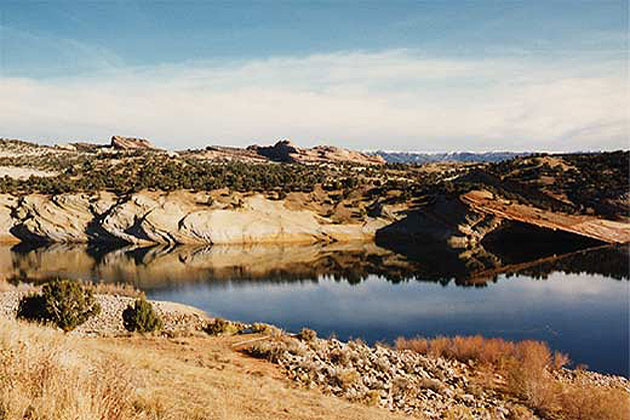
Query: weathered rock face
{"x": 446, "y": 220}
{"x": 7, "y": 203}
{"x": 175, "y": 218}
{"x": 130, "y": 143}
{"x": 61, "y": 218}
{"x": 187, "y": 218}
{"x": 286, "y": 151}
{"x": 337, "y": 154}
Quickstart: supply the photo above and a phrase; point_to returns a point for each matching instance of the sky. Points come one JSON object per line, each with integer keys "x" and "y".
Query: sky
{"x": 432, "y": 75}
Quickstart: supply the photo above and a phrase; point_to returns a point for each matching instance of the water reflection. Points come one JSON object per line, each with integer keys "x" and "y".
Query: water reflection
{"x": 164, "y": 266}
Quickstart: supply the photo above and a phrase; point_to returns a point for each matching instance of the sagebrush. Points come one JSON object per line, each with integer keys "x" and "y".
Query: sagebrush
{"x": 64, "y": 303}
{"x": 141, "y": 317}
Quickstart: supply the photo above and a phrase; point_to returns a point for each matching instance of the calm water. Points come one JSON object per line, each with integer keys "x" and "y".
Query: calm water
{"x": 579, "y": 303}
{"x": 583, "y": 315}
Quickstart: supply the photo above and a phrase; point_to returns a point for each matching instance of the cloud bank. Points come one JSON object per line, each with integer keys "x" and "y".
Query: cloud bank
{"x": 395, "y": 99}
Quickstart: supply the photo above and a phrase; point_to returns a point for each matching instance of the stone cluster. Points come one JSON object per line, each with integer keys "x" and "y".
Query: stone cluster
{"x": 398, "y": 380}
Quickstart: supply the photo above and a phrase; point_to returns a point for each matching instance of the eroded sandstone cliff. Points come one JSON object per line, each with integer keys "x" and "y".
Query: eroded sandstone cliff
{"x": 177, "y": 218}
{"x": 220, "y": 217}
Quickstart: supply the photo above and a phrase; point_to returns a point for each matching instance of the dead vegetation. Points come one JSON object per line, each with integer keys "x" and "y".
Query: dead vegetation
{"x": 45, "y": 374}
{"x": 199, "y": 375}
{"x": 529, "y": 372}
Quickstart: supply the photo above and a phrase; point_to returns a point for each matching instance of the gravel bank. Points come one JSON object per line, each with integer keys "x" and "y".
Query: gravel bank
{"x": 177, "y": 318}
{"x": 406, "y": 381}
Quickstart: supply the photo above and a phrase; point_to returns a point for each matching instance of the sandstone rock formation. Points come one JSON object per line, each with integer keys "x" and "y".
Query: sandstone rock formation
{"x": 445, "y": 220}
{"x": 131, "y": 143}
{"x": 227, "y": 154}
{"x": 286, "y": 151}
{"x": 218, "y": 217}
{"x": 7, "y": 203}
{"x": 175, "y": 218}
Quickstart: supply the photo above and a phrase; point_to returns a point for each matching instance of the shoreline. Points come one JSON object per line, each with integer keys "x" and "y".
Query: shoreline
{"x": 181, "y": 319}
{"x": 352, "y": 370}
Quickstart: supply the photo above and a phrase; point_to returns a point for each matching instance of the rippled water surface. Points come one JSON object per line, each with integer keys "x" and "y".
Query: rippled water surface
{"x": 577, "y": 302}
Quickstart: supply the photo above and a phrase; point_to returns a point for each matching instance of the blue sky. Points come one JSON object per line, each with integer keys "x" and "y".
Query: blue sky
{"x": 432, "y": 75}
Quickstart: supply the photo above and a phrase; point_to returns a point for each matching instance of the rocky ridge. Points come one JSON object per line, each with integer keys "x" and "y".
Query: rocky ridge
{"x": 286, "y": 151}
{"x": 179, "y": 218}
{"x": 110, "y": 193}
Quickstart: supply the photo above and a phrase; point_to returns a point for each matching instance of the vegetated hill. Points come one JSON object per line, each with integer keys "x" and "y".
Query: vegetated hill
{"x": 584, "y": 183}
{"x": 442, "y": 200}
{"x": 580, "y": 183}
{"x": 419, "y": 157}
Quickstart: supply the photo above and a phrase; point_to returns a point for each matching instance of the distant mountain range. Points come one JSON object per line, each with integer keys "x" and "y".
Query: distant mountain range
{"x": 419, "y": 157}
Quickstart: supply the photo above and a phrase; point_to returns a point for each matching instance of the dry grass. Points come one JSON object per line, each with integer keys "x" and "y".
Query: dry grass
{"x": 528, "y": 367}
{"x": 45, "y": 374}
{"x": 120, "y": 289}
{"x": 5, "y": 286}
{"x": 591, "y": 402}
{"x": 486, "y": 350}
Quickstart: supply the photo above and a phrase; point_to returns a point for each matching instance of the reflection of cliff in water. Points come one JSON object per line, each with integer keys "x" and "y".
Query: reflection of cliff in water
{"x": 163, "y": 266}
{"x": 518, "y": 242}
{"x": 158, "y": 266}
{"x": 509, "y": 245}
{"x": 610, "y": 261}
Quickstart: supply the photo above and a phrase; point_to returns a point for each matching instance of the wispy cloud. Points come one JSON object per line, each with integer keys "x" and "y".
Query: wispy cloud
{"x": 37, "y": 54}
{"x": 391, "y": 99}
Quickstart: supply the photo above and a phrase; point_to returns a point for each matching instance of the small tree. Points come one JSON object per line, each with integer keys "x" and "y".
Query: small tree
{"x": 141, "y": 317}
{"x": 65, "y": 303}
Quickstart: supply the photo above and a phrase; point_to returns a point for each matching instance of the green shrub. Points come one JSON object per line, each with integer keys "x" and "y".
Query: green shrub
{"x": 65, "y": 303}
{"x": 141, "y": 317}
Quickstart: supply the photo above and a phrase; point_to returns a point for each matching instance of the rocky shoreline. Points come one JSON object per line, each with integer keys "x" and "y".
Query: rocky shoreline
{"x": 412, "y": 383}
{"x": 399, "y": 380}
